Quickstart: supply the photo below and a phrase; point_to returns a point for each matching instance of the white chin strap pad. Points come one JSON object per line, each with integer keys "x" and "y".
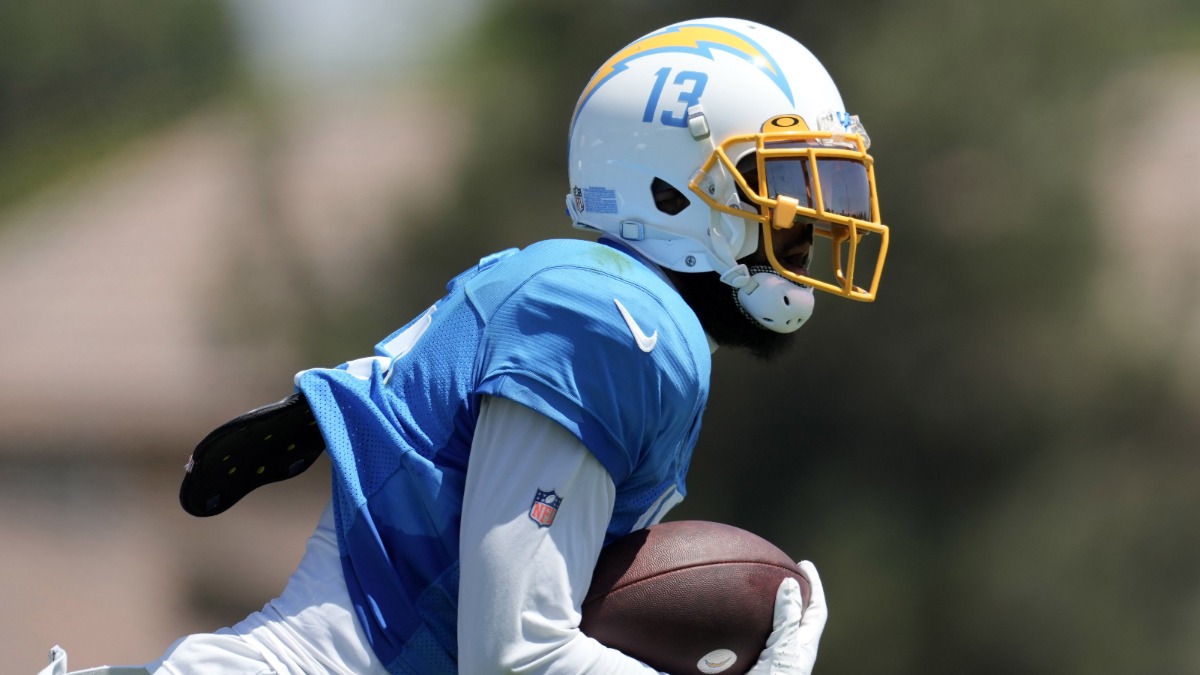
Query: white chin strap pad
{"x": 776, "y": 303}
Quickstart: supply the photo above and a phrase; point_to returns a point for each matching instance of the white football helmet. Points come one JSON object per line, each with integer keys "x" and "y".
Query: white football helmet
{"x": 692, "y": 139}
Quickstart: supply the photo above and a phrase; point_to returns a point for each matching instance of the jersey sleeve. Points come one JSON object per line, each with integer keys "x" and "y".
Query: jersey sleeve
{"x": 625, "y": 387}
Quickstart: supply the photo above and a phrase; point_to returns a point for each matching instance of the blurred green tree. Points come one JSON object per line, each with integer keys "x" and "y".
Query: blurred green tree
{"x": 79, "y": 78}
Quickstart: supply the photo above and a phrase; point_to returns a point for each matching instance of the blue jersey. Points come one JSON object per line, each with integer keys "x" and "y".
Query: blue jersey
{"x": 578, "y": 331}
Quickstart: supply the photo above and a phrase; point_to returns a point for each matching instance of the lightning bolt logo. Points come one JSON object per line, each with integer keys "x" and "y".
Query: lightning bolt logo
{"x": 699, "y": 39}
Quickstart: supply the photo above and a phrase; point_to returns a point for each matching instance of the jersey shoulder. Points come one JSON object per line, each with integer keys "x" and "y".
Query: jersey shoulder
{"x": 590, "y": 294}
{"x": 598, "y": 341}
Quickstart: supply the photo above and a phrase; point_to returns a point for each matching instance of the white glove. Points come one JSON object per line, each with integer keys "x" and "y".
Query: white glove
{"x": 792, "y": 645}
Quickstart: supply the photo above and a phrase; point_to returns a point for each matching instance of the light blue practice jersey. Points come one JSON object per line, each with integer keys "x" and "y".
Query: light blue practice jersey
{"x": 544, "y": 327}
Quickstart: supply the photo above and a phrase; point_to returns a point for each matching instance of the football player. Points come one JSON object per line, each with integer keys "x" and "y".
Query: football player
{"x": 550, "y": 401}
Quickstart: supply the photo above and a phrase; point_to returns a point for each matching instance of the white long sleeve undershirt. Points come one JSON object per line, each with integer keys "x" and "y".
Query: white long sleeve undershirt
{"x": 521, "y": 585}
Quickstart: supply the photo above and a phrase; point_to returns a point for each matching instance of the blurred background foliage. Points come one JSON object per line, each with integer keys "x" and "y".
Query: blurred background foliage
{"x": 991, "y": 474}
{"x": 78, "y": 79}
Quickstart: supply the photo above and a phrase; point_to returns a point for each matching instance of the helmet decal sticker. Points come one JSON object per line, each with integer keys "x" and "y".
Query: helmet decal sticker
{"x": 699, "y": 39}
{"x": 599, "y": 200}
{"x": 790, "y": 122}
{"x": 688, "y": 97}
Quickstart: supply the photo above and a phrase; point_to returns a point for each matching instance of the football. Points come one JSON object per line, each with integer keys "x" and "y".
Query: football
{"x": 688, "y": 597}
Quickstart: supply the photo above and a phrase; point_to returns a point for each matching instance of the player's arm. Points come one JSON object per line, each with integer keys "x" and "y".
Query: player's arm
{"x": 521, "y": 582}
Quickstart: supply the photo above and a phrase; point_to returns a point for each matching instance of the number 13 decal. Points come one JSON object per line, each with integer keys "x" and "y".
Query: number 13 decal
{"x": 688, "y": 96}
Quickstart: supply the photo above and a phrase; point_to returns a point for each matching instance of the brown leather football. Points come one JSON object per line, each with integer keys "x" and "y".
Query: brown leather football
{"x": 688, "y": 597}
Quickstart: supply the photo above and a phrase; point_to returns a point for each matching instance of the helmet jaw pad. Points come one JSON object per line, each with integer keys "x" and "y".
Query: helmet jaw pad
{"x": 773, "y": 302}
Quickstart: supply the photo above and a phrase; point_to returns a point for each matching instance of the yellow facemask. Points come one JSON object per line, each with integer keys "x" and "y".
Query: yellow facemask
{"x": 796, "y": 178}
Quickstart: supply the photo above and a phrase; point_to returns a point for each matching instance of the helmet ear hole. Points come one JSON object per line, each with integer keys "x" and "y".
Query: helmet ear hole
{"x": 667, "y": 197}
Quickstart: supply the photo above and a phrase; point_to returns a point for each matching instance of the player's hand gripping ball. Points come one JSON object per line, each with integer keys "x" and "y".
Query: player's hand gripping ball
{"x": 688, "y": 597}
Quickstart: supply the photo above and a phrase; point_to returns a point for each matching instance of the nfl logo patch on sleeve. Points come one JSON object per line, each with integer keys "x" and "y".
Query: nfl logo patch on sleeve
{"x": 544, "y": 508}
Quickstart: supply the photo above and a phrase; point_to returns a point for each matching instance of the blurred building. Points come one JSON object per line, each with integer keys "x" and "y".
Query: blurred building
{"x": 149, "y": 297}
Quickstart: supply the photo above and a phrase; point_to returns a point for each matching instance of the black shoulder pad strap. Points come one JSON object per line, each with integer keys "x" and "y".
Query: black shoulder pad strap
{"x": 268, "y": 444}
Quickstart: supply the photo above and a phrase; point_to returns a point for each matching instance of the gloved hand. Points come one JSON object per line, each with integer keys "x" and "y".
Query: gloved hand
{"x": 792, "y": 645}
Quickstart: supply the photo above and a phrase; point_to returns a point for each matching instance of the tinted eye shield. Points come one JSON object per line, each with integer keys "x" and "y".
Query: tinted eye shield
{"x": 808, "y": 178}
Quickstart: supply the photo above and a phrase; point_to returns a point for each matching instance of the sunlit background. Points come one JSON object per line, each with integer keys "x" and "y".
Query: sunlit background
{"x": 995, "y": 466}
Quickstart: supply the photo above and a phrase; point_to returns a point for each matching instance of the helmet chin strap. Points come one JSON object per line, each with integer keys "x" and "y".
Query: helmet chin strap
{"x": 771, "y": 301}
{"x": 736, "y": 274}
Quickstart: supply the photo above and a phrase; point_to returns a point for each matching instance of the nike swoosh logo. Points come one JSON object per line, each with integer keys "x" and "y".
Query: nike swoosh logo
{"x": 644, "y": 342}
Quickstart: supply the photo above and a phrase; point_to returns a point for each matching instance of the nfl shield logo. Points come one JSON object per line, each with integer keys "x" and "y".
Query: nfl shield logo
{"x": 544, "y": 508}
